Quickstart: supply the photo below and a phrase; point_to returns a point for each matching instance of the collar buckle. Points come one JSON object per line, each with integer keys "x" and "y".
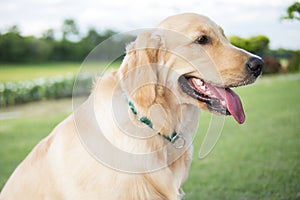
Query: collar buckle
{"x": 178, "y": 141}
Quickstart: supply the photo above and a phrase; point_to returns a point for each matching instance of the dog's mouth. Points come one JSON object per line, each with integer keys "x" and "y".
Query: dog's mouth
{"x": 219, "y": 100}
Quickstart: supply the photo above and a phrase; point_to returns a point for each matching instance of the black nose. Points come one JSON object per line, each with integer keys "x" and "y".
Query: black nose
{"x": 254, "y": 66}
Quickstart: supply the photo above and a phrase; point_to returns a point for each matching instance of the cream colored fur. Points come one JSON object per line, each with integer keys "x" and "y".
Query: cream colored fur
{"x": 62, "y": 167}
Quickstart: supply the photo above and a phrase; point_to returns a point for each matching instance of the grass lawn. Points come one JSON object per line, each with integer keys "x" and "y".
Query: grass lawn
{"x": 31, "y": 123}
{"x": 17, "y": 72}
{"x": 257, "y": 160}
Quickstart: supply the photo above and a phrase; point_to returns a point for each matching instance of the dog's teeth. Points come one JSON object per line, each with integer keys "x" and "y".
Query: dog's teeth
{"x": 208, "y": 92}
{"x": 223, "y": 103}
{"x": 203, "y": 87}
{"x": 198, "y": 82}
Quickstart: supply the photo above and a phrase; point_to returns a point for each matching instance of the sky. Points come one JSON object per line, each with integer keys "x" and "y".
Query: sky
{"x": 237, "y": 17}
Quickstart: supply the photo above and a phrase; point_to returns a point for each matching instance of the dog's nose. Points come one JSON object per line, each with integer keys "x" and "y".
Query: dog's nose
{"x": 254, "y": 66}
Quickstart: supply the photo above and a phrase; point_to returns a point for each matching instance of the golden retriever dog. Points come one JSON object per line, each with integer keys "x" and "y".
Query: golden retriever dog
{"x": 132, "y": 138}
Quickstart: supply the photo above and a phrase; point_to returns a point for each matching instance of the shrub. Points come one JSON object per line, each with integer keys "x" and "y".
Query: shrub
{"x": 12, "y": 93}
{"x": 272, "y": 65}
{"x": 255, "y": 44}
{"x": 294, "y": 62}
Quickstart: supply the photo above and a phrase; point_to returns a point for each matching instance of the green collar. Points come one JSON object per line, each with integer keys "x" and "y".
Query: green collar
{"x": 175, "y": 138}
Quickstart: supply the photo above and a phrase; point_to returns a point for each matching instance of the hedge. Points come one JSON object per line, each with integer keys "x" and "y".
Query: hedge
{"x": 12, "y": 93}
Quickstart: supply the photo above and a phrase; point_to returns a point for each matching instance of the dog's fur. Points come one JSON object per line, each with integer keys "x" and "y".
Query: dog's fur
{"x": 60, "y": 167}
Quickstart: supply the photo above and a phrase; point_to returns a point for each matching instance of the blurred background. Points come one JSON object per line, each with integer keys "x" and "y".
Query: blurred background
{"x": 42, "y": 46}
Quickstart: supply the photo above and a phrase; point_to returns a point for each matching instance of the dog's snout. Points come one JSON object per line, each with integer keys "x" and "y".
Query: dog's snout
{"x": 254, "y": 66}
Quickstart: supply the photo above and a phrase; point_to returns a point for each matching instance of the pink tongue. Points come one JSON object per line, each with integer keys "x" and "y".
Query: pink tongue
{"x": 233, "y": 102}
{"x": 234, "y": 106}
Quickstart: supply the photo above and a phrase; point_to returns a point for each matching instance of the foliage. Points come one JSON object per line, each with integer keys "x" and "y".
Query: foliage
{"x": 260, "y": 45}
{"x": 294, "y": 62}
{"x": 281, "y": 53}
{"x": 12, "y": 93}
{"x": 293, "y": 11}
{"x": 289, "y": 60}
{"x": 75, "y": 46}
{"x": 12, "y": 47}
{"x": 69, "y": 29}
{"x": 272, "y": 65}
{"x": 256, "y": 44}
{"x": 15, "y": 48}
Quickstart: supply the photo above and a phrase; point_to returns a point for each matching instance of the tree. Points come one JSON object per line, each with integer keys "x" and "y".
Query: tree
{"x": 14, "y": 29}
{"x": 48, "y": 35}
{"x": 12, "y": 47}
{"x": 294, "y": 62}
{"x": 239, "y": 42}
{"x": 69, "y": 29}
{"x": 293, "y": 11}
{"x": 256, "y": 44}
{"x": 37, "y": 50}
{"x": 108, "y": 33}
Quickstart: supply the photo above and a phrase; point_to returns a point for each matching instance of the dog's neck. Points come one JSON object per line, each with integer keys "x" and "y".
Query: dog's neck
{"x": 175, "y": 123}
{"x": 178, "y": 146}
{"x": 175, "y": 138}
{"x": 122, "y": 128}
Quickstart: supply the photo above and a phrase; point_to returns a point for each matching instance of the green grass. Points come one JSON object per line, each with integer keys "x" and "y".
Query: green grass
{"x": 257, "y": 160}
{"x": 17, "y": 72}
{"x": 10, "y": 72}
{"x": 32, "y": 122}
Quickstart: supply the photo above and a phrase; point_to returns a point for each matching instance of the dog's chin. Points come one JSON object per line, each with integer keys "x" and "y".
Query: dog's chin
{"x": 215, "y": 99}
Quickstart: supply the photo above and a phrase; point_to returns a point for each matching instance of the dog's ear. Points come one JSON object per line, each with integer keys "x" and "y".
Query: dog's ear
{"x": 138, "y": 72}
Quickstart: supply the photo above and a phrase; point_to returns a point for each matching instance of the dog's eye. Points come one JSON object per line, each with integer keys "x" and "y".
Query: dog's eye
{"x": 202, "y": 40}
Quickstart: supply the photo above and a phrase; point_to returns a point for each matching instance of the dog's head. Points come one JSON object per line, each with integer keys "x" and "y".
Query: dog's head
{"x": 204, "y": 62}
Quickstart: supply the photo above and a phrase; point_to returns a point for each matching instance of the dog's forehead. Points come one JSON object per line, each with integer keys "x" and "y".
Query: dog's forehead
{"x": 190, "y": 24}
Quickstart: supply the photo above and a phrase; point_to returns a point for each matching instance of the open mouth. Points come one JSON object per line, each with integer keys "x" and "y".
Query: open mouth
{"x": 219, "y": 100}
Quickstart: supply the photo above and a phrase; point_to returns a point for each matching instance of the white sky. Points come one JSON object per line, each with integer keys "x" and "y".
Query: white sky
{"x": 238, "y": 17}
